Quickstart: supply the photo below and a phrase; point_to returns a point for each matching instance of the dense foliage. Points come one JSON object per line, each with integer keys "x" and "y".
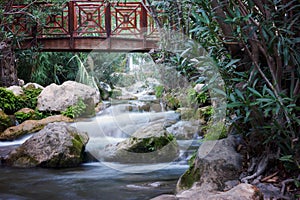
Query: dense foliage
{"x": 256, "y": 46}
{"x": 11, "y": 103}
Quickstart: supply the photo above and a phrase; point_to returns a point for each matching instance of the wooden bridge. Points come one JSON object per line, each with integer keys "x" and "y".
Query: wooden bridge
{"x": 86, "y": 25}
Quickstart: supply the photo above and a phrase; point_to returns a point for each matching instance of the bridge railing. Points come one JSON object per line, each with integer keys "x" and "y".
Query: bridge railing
{"x": 93, "y": 18}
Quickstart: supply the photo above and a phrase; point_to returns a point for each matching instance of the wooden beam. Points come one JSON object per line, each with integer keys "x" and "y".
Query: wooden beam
{"x": 93, "y": 44}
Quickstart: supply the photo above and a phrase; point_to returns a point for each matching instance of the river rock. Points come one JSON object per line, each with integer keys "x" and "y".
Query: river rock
{"x": 60, "y": 97}
{"x": 216, "y": 162}
{"x": 31, "y": 126}
{"x": 17, "y": 90}
{"x": 56, "y": 146}
{"x": 149, "y": 144}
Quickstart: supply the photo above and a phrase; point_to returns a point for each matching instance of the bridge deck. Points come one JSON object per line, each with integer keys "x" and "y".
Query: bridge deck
{"x": 86, "y": 25}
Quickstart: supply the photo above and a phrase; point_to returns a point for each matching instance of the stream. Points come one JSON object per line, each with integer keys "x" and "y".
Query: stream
{"x": 101, "y": 180}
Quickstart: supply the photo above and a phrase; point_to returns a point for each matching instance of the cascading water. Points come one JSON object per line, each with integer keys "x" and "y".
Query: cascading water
{"x": 99, "y": 180}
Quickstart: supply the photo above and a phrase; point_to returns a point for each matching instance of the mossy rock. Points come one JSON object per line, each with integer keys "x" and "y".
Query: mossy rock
{"x": 5, "y": 121}
{"x": 187, "y": 180}
{"x": 25, "y": 114}
{"x": 150, "y": 144}
{"x": 115, "y": 93}
{"x": 56, "y": 146}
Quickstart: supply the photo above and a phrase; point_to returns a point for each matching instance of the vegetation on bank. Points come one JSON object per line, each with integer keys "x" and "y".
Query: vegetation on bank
{"x": 255, "y": 45}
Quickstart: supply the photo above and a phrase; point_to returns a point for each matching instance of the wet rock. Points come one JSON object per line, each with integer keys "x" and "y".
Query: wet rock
{"x": 156, "y": 107}
{"x": 17, "y": 90}
{"x": 5, "y": 150}
{"x": 105, "y": 90}
{"x": 30, "y": 126}
{"x": 150, "y": 144}
{"x": 101, "y": 106}
{"x": 185, "y": 130}
{"x": 214, "y": 175}
{"x": 60, "y": 97}
{"x": 56, "y": 146}
{"x": 216, "y": 162}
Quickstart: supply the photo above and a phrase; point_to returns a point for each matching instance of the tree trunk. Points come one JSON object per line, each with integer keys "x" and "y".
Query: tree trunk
{"x": 8, "y": 68}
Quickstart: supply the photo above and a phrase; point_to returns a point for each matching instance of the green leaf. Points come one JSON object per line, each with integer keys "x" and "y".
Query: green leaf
{"x": 221, "y": 92}
{"x": 239, "y": 94}
{"x": 232, "y": 62}
{"x": 287, "y": 158}
{"x": 254, "y": 92}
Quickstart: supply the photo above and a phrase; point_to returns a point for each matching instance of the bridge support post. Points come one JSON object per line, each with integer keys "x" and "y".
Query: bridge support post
{"x": 72, "y": 18}
{"x": 108, "y": 23}
{"x": 144, "y": 22}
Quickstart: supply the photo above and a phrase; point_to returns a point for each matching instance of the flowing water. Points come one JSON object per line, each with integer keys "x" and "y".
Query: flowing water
{"x": 99, "y": 180}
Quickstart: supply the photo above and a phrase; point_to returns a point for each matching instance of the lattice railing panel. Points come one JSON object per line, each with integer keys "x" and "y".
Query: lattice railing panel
{"x": 89, "y": 18}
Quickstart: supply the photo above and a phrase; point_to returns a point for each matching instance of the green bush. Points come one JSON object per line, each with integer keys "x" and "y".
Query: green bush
{"x": 196, "y": 98}
{"x": 30, "y": 98}
{"x": 76, "y": 110}
{"x": 9, "y": 103}
{"x": 21, "y": 116}
{"x": 159, "y": 91}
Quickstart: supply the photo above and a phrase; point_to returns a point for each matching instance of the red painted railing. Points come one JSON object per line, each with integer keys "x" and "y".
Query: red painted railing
{"x": 89, "y": 18}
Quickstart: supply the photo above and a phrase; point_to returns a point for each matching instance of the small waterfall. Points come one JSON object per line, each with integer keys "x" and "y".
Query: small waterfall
{"x": 162, "y": 106}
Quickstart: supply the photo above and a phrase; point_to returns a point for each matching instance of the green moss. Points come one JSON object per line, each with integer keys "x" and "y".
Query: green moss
{"x": 189, "y": 178}
{"x": 172, "y": 102}
{"x": 115, "y": 93}
{"x": 198, "y": 99}
{"x": 77, "y": 146}
{"x": 5, "y": 121}
{"x": 215, "y": 131}
{"x": 151, "y": 144}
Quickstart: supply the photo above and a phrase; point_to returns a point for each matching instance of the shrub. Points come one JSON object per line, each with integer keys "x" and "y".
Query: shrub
{"x": 159, "y": 91}
{"x": 76, "y": 110}
{"x": 9, "y": 103}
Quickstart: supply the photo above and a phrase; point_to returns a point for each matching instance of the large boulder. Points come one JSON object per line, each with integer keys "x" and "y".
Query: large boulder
{"x": 214, "y": 175}
{"x": 216, "y": 163}
{"x": 30, "y": 126}
{"x": 59, "y": 97}
{"x": 150, "y": 144}
{"x": 56, "y": 146}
